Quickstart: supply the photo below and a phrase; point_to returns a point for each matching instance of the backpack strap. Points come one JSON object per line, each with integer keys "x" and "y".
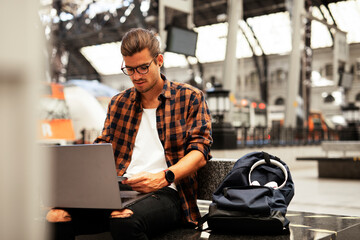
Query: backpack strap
{"x": 201, "y": 222}
{"x": 267, "y": 158}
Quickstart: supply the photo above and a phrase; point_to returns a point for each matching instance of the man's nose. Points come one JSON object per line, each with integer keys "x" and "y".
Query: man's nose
{"x": 136, "y": 75}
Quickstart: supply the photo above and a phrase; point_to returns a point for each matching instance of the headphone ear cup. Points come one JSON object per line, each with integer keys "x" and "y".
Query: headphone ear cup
{"x": 272, "y": 184}
{"x": 255, "y": 183}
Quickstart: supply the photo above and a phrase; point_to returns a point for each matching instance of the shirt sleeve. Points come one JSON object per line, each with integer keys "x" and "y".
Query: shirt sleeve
{"x": 199, "y": 125}
{"x": 106, "y": 136}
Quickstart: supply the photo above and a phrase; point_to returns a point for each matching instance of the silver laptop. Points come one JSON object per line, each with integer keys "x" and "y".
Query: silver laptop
{"x": 84, "y": 176}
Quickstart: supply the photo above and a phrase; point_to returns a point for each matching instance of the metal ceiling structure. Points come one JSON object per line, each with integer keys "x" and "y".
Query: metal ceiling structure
{"x": 82, "y": 29}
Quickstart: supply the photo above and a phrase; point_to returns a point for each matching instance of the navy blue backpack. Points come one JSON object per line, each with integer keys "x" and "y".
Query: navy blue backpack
{"x": 253, "y": 197}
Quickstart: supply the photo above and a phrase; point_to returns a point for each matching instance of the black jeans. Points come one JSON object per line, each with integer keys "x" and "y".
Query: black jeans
{"x": 159, "y": 212}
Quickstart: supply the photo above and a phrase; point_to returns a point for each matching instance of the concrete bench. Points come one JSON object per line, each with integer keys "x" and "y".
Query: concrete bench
{"x": 303, "y": 225}
{"x": 340, "y": 146}
{"x": 337, "y": 163}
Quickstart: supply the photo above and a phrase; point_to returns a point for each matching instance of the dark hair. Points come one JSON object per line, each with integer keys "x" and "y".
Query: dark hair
{"x": 137, "y": 39}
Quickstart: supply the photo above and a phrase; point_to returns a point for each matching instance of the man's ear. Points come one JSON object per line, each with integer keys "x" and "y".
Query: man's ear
{"x": 160, "y": 60}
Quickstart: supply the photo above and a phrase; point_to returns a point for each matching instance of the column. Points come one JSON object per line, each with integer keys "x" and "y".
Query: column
{"x": 235, "y": 9}
{"x": 295, "y": 61}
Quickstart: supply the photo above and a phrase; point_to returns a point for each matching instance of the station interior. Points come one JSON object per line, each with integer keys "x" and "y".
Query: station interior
{"x": 279, "y": 76}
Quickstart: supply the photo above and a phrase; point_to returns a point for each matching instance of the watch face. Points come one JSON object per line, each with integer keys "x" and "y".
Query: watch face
{"x": 170, "y": 176}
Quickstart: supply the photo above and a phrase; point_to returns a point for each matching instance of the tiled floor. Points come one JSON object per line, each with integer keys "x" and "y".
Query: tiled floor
{"x": 312, "y": 194}
{"x": 333, "y": 196}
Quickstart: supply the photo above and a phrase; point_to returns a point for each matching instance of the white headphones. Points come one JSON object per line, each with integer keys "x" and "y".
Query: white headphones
{"x": 270, "y": 184}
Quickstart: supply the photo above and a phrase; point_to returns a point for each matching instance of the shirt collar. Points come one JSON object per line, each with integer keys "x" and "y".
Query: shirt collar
{"x": 165, "y": 93}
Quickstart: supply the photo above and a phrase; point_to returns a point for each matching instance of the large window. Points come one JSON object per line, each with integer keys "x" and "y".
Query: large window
{"x": 273, "y": 32}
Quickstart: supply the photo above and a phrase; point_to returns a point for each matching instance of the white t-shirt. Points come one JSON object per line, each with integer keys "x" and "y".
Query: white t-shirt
{"x": 148, "y": 154}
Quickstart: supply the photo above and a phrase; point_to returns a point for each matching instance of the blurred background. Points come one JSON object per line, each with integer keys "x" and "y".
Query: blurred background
{"x": 276, "y": 73}
{"x": 257, "y": 83}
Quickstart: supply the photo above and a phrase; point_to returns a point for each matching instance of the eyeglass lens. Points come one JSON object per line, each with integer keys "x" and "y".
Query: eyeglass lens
{"x": 140, "y": 69}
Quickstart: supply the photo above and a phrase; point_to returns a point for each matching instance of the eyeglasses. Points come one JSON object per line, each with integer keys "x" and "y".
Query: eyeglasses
{"x": 142, "y": 69}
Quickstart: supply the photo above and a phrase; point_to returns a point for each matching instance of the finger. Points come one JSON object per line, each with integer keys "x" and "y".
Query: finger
{"x": 132, "y": 181}
{"x": 136, "y": 178}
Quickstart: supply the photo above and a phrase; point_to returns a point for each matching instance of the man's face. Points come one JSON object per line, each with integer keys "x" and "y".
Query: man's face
{"x": 144, "y": 82}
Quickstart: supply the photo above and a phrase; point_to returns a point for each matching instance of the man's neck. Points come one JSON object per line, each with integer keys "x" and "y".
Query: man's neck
{"x": 150, "y": 99}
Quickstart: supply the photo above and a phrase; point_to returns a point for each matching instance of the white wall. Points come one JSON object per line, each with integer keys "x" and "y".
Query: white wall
{"x": 20, "y": 73}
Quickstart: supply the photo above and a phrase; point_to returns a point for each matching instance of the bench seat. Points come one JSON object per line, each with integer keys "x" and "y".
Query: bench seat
{"x": 337, "y": 166}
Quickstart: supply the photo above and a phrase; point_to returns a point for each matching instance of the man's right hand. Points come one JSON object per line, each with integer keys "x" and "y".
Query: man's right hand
{"x": 147, "y": 182}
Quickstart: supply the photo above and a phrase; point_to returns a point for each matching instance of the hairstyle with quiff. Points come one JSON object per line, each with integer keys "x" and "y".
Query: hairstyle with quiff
{"x": 137, "y": 39}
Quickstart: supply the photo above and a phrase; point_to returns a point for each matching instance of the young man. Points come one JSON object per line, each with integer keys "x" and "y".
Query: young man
{"x": 161, "y": 135}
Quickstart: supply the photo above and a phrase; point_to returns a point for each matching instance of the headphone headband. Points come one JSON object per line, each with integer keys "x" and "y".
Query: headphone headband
{"x": 273, "y": 162}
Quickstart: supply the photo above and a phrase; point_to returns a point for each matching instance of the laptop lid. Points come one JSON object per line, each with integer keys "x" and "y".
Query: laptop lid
{"x": 82, "y": 176}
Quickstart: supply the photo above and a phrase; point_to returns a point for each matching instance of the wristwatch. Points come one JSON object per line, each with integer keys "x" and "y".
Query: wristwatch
{"x": 169, "y": 176}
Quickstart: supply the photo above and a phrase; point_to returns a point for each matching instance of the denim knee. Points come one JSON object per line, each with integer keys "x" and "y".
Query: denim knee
{"x": 61, "y": 231}
{"x": 129, "y": 228}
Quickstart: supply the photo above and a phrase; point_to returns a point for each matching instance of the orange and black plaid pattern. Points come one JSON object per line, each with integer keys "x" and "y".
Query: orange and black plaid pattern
{"x": 183, "y": 123}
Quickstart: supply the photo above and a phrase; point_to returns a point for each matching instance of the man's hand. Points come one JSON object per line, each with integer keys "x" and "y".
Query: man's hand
{"x": 147, "y": 182}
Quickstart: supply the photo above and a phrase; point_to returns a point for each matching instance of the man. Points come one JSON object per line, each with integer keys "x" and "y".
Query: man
{"x": 161, "y": 135}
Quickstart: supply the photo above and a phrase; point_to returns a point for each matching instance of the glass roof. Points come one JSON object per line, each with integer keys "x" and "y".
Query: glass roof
{"x": 273, "y": 32}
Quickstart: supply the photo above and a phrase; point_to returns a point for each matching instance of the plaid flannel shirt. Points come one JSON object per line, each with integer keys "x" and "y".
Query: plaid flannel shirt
{"x": 183, "y": 124}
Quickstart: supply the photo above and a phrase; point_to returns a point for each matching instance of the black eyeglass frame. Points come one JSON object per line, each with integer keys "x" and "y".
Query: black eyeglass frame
{"x": 147, "y": 66}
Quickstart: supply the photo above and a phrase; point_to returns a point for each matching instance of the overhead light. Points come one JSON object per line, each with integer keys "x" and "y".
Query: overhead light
{"x": 47, "y": 30}
{"x": 145, "y": 6}
{"x": 221, "y": 17}
{"x": 122, "y": 19}
{"x": 126, "y": 3}
{"x": 150, "y": 19}
{"x": 129, "y": 10}
{"x": 53, "y": 12}
{"x": 105, "y": 58}
{"x": 66, "y": 16}
{"x": 198, "y": 79}
{"x": 106, "y": 17}
{"x": 69, "y": 25}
